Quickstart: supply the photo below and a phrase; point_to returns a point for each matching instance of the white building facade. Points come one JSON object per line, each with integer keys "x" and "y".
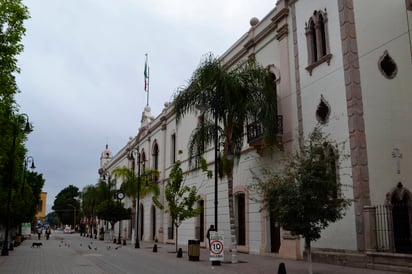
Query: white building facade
{"x": 346, "y": 64}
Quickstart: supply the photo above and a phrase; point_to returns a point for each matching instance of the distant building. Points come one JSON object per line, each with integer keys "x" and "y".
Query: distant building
{"x": 41, "y": 206}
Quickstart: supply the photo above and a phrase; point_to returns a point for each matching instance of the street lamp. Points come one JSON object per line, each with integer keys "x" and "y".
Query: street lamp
{"x": 27, "y": 130}
{"x": 137, "y": 243}
{"x": 202, "y": 107}
{"x": 74, "y": 216}
{"x": 32, "y": 166}
{"x": 120, "y": 197}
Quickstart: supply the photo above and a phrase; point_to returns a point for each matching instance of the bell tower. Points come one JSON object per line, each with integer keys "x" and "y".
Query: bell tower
{"x": 105, "y": 158}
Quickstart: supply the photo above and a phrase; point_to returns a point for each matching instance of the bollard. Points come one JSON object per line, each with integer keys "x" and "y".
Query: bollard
{"x": 282, "y": 268}
{"x": 155, "y": 248}
{"x": 179, "y": 253}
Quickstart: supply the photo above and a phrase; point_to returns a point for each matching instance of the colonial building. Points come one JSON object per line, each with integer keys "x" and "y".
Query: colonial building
{"x": 345, "y": 64}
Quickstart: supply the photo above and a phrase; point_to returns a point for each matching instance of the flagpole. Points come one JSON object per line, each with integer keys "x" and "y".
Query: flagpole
{"x": 148, "y": 84}
{"x": 146, "y": 79}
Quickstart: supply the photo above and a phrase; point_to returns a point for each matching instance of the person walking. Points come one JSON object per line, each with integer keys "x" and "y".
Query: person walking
{"x": 39, "y": 232}
{"x": 48, "y": 232}
{"x": 211, "y": 228}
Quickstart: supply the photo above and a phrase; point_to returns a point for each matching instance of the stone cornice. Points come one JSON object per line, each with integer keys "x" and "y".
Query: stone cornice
{"x": 282, "y": 14}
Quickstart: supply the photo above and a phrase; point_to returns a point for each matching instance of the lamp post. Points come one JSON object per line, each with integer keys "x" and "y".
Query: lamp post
{"x": 27, "y": 130}
{"x": 120, "y": 197}
{"x": 32, "y": 166}
{"x": 106, "y": 178}
{"x": 74, "y": 216}
{"x": 202, "y": 107}
{"x": 217, "y": 148}
{"x": 137, "y": 243}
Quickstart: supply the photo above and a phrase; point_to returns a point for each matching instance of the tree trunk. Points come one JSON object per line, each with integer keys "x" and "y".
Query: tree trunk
{"x": 309, "y": 254}
{"x": 232, "y": 219}
{"x": 177, "y": 237}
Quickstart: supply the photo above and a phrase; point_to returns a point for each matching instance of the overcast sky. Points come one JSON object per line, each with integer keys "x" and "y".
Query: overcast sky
{"x": 81, "y": 77}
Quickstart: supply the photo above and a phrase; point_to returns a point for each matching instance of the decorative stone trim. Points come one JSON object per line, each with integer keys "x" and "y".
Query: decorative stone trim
{"x": 297, "y": 75}
{"x": 354, "y": 103}
{"x": 282, "y": 32}
{"x": 321, "y": 60}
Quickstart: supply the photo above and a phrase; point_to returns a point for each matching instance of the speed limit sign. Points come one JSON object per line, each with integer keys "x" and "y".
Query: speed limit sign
{"x": 216, "y": 246}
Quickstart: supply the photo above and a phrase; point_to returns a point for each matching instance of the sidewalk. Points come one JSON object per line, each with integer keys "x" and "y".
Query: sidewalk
{"x": 66, "y": 254}
{"x": 261, "y": 264}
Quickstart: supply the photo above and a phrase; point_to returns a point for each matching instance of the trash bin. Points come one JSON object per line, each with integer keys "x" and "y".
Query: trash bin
{"x": 193, "y": 250}
{"x": 17, "y": 242}
{"x": 101, "y": 234}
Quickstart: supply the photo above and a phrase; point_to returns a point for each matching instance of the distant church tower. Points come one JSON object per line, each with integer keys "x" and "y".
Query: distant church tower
{"x": 105, "y": 158}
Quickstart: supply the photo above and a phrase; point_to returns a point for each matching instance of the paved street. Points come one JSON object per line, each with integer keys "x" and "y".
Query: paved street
{"x": 65, "y": 253}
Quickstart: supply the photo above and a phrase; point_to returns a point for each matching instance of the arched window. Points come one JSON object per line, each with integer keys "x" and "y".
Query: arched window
{"x": 153, "y": 211}
{"x": 143, "y": 160}
{"x": 322, "y": 34}
{"x": 155, "y": 154}
{"x": 314, "y": 49}
{"x": 317, "y": 39}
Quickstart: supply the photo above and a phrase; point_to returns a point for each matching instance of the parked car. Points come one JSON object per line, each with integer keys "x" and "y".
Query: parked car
{"x": 68, "y": 230}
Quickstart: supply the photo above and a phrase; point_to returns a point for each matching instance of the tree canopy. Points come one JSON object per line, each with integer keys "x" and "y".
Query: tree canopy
{"x": 66, "y": 202}
{"x": 113, "y": 211}
{"x": 305, "y": 195}
{"x": 12, "y": 151}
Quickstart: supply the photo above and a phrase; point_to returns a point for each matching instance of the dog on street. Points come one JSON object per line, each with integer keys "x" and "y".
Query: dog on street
{"x": 36, "y": 245}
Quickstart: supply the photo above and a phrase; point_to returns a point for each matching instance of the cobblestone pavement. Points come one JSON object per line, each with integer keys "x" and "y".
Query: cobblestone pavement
{"x": 74, "y": 254}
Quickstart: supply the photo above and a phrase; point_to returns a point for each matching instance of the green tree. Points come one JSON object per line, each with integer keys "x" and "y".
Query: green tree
{"x": 66, "y": 202}
{"x": 89, "y": 200}
{"x": 305, "y": 195}
{"x": 26, "y": 199}
{"x": 112, "y": 212}
{"x": 235, "y": 96}
{"x": 96, "y": 199}
{"x": 180, "y": 198}
{"x": 53, "y": 219}
{"x": 12, "y": 16}
{"x": 130, "y": 183}
{"x": 105, "y": 189}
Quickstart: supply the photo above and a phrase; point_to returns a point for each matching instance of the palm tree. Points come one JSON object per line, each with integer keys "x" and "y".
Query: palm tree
{"x": 130, "y": 184}
{"x": 90, "y": 199}
{"x": 105, "y": 190}
{"x": 235, "y": 98}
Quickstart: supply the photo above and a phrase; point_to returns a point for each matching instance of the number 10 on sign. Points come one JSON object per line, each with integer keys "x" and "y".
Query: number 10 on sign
{"x": 216, "y": 246}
